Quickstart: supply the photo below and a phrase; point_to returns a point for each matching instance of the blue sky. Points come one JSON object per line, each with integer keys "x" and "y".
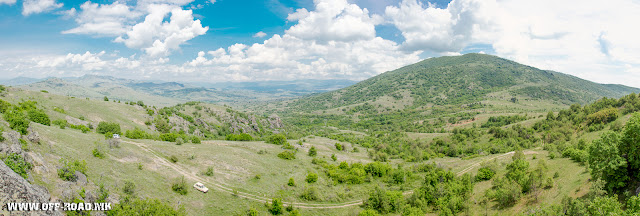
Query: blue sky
{"x": 235, "y": 40}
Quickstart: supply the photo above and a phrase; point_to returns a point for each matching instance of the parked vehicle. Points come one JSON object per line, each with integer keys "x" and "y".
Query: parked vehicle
{"x": 199, "y": 186}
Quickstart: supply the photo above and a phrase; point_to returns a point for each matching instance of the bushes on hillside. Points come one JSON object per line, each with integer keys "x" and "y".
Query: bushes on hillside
{"x": 137, "y": 133}
{"x": 277, "y": 139}
{"x": 38, "y": 116}
{"x": 180, "y": 186}
{"x": 17, "y": 120}
{"x": 69, "y": 168}
{"x": 108, "y": 127}
{"x": 17, "y": 164}
{"x": 384, "y": 201}
{"x": 603, "y": 116}
{"x": 287, "y": 155}
{"x": 139, "y": 207}
{"x": 312, "y": 151}
{"x": 239, "y": 137}
{"x": 312, "y": 177}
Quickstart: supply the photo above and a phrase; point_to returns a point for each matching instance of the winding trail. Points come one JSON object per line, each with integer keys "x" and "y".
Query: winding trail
{"x": 163, "y": 161}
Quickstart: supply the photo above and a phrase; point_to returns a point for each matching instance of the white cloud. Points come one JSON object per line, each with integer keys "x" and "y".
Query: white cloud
{"x": 38, "y": 6}
{"x": 260, "y": 34}
{"x": 335, "y": 20}
{"x": 156, "y": 37}
{"x": 584, "y": 38}
{"x": 103, "y": 19}
{"x": 9, "y": 2}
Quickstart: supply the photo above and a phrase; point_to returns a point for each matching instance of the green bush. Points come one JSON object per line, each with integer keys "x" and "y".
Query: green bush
{"x": 291, "y": 182}
{"x": 310, "y": 194}
{"x": 484, "y": 174}
{"x": 276, "y": 207}
{"x": 140, "y": 207}
{"x": 60, "y": 122}
{"x": 17, "y": 121}
{"x": 82, "y": 128}
{"x": 287, "y": 155}
{"x": 239, "y": 137}
{"x": 137, "y": 133}
{"x": 338, "y": 146}
{"x": 38, "y": 116}
{"x": 312, "y": 177}
{"x": 69, "y": 168}
{"x": 129, "y": 188}
{"x": 108, "y": 127}
{"x": 1, "y": 137}
{"x": 18, "y": 164}
{"x": 277, "y": 139}
{"x": 312, "y": 151}
{"x": 169, "y": 137}
{"x": 179, "y": 141}
{"x": 180, "y": 186}
{"x": 98, "y": 153}
{"x": 209, "y": 171}
{"x": 195, "y": 140}
{"x": 173, "y": 159}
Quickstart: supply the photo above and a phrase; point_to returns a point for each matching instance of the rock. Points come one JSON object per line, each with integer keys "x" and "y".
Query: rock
{"x": 81, "y": 179}
{"x": 11, "y": 137}
{"x": 14, "y": 188}
{"x": 33, "y": 136}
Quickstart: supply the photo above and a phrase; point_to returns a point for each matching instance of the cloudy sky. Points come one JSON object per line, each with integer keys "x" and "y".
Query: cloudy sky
{"x": 241, "y": 40}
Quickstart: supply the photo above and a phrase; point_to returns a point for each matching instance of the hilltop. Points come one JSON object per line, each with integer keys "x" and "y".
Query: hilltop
{"x": 455, "y": 80}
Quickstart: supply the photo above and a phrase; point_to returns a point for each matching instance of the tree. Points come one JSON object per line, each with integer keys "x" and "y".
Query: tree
{"x": 631, "y": 145}
{"x": 605, "y": 206}
{"x": 312, "y": 151}
{"x": 277, "y": 139}
{"x": 606, "y": 162}
{"x": 108, "y": 127}
{"x": 106, "y": 98}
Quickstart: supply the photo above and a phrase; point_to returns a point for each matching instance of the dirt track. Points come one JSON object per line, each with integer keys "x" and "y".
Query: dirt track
{"x": 162, "y": 161}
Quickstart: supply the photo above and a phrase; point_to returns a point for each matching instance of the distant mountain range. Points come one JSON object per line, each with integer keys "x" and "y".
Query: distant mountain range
{"x": 169, "y": 93}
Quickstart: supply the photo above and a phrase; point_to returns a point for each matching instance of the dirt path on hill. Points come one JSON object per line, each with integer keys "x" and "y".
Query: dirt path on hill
{"x": 163, "y": 161}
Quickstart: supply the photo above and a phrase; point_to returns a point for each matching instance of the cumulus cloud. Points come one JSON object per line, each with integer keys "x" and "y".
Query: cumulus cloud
{"x": 153, "y": 34}
{"x": 332, "y": 50}
{"x": 584, "y": 38}
{"x": 259, "y": 34}
{"x": 157, "y": 37}
{"x": 38, "y": 6}
{"x": 103, "y": 20}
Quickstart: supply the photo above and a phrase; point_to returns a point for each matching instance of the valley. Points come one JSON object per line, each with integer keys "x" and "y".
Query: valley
{"x": 465, "y": 135}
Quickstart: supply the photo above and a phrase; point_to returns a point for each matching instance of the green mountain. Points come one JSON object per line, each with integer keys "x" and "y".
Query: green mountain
{"x": 455, "y": 80}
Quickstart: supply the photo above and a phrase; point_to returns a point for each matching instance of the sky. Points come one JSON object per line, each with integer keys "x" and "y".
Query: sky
{"x": 244, "y": 40}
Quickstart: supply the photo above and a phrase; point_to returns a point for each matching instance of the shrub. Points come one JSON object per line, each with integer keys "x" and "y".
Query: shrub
{"x": 312, "y": 177}
{"x": 333, "y": 157}
{"x": 603, "y": 116}
{"x": 195, "y": 140}
{"x": 310, "y": 194}
{"x": 180, "y": 186}
{"x": 82, "y": 128}
{"x": 107, "y": 127}
{"x": 276, "y": 207}
{"x": 17, "y": 121}
{"x": 129, "y": 188}
{"x": 277, "y": 139}
{"x": 137, "y": 133}
{"x": 173, "y": 159}
{"x": 287, "y": 155}
{"x": 209, "y": 171}
{"x": 1, "y": 137}
{"x": 287, "y": 146}
{"x": 38, "y": 116}
{"x": 17, "y": 163}
{"x": 169, "y": 137}
{"x": 484, "y": 174}
{"x": 69, "y": 168}
{"x": 239, "y": 137}
{"x": 291, "y": 182}
{"x": 98, "y": 153}
{"x": 179, "y": 141}
{"x": 338, "y": 146}
{"x": 312, "y": 151}
{"x": 144, "y": 207}
{"x": 106, "y": 98}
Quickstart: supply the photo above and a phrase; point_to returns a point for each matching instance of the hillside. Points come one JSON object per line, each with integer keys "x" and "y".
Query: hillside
{"x": 455, "y": 80}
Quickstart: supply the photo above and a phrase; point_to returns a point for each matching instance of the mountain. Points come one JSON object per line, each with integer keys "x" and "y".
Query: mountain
{"x": 19, "y": 81}
{"x": 456, "y": 80}
{"x": 171, "y": 93}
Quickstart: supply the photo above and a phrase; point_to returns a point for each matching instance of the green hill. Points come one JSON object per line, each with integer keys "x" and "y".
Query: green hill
{"x": 455, "y": 80}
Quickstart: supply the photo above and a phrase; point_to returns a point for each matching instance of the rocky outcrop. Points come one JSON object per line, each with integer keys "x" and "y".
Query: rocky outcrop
{"x": 33, "y": 135}
{"x": 76, "y": 121}
{"x": 14, "y": 188}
